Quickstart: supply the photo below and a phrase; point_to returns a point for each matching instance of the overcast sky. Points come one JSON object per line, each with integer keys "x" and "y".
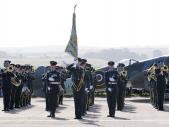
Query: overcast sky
{"x": 101, "y": 23}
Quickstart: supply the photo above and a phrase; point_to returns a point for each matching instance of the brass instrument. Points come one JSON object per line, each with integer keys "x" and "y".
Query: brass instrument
{"x": 123, "y": 73}
{"x": 10, "y": 69}
{"x": 164, "y": 68}
{"x": 14, "y": 80}
{"x": 152, "y": 74}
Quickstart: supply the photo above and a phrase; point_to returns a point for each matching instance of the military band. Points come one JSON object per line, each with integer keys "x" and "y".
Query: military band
{"x": 16, "y": 85}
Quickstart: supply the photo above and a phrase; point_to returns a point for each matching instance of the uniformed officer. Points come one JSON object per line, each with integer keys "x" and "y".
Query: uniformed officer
{"x": 6, "y": 85}
{"x": 62, "y": 88}
{"x": 22, "y": 77}
{"x": 89, "y": 85}
{"x": 121, "y": 86}
{"x": 77, "y": 70}
{"x": 30, "y": 78}
{"x": 13, "y": 91}
{"x": 111, "y": 79}
{"x": 44, "y": 83}
{"x": 161, "y": 84}
{"x": 53, "y": 84}
{"x": 153, "y": 84}
{"x": 18, "y": 89}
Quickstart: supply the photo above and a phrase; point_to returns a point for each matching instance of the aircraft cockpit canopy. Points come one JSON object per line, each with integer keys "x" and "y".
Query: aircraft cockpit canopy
{"x": 128, "y": 62}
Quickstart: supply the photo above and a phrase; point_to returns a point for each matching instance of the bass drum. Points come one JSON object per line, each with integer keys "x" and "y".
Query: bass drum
{"x": 99, "y": 79}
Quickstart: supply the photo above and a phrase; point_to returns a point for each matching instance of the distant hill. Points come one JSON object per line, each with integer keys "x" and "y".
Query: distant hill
{"x": 41, "y": 55}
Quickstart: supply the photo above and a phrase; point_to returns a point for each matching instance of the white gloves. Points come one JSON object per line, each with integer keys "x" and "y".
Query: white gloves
{"x": 112, "y": 79}
{"x": 75, "y": 63}
{"x": 91, "y": 87}
{"x": 51, "y": 79}
{"x": 65, "y": 63}
{"x": 109, "y": 89}
{"x": 86, "y": 89}
{"x": 49, "y": 88}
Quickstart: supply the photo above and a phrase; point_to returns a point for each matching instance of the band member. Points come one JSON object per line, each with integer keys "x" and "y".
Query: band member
{"x": 153, "y": 84}
{"x": 161, "y": 74}
{"x": 6, "y": 84}
{"x": 13, "y": 89}
{"x": 111, "y": 80}
{"x": 30, "y": 78}
{"x": 121, "y": 86}
{"x": 62, "y": 88}
{"x": 53, "y": 85}
{"x": 45, "y": 90}
{"x": 19, "y": 88}
{"x": 89, "y": 85}
{"x": 78, "y": 77}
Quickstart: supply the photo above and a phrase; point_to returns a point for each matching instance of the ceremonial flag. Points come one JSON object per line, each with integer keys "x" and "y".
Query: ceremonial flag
{"x": 72, "y": 46}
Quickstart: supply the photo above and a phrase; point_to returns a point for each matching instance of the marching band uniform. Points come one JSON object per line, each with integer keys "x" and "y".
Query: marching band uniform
{"x": 121, "y": 87}
{"x": 111, "y": 80}
{"x": 78, "y": 78}
{"x": 53, "y": 83}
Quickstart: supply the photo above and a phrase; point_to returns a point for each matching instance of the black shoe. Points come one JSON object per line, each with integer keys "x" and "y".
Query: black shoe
{"x": 53, "y": 116}
{"x": 110, "y": 116}
{"x": 7, "y": 110}
{"x": 78, "y": 118}
{"x": 11, "y": 108}
{"x": 161, "y": 109}
{"x": 49, "y": 116}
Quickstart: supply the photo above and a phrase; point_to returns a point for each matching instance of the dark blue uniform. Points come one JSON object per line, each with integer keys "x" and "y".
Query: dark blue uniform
{"x": 6, "y": 87}
{"x": 111, "y": 79}
{"x": 18, "y": 92}
{"x": 161, "y": 84}
{"x": 121, "y": 92}
{"x": 53, "y": 82}
{"x": 45, "y": 90}
{"x": 78, "y": 78}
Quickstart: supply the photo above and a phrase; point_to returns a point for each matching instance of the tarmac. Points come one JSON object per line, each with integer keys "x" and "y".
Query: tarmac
{"x": 138, "y": 112}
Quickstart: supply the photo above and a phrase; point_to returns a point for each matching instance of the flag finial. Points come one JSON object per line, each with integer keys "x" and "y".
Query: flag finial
{"x": 75, "y": 7}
